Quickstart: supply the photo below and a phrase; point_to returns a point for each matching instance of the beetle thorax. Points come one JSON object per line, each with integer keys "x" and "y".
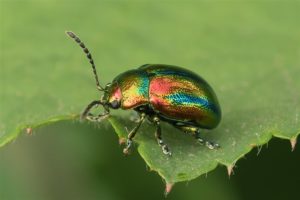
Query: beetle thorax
{"x": 113, "y": 96}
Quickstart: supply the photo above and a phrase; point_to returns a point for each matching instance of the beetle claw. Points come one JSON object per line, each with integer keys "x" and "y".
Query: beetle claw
{"x": 216, "y": 145}
{"x": 166, "y": 150}
{"x": 126, "y": 151}
{"x": 128, "y": 146}
{"x": 208, "y": 144}
{"x": 200, "y": 141}
{"x": 212, "y": 145}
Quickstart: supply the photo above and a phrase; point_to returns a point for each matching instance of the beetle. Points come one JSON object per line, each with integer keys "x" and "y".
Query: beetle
{"x": 158, "y": 93}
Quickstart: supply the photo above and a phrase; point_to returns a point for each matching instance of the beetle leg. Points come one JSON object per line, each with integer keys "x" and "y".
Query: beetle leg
{"x": 196, "y": 132}
{"x": 88, "y": 108}
{"x": 87, "y": 115}
{"x": 208, "y": 144}
{"x": 159, "y": 139}
{"x": 97, "y": 118}
{"x": 132, "y": 134}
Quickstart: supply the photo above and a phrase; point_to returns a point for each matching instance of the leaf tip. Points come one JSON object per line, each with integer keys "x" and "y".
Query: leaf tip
{"x": 168, "y": 189}
{"x": 293, "y": 143}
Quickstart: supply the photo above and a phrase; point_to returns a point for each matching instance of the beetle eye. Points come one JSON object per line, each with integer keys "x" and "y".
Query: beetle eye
{"x": 115, "y": 104}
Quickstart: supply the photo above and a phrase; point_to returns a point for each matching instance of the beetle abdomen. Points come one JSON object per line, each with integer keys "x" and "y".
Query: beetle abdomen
{"x": 182, "y": 95}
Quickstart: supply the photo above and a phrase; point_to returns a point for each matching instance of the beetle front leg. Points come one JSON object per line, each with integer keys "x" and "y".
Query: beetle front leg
{"x": 159, "y": 139}
{"x": 89, "y": 116}
{"x": 132, "y": 134}
{"x": 97, "y": 118}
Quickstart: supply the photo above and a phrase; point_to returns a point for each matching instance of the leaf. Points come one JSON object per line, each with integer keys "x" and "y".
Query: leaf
{"x": 249, "y": 53}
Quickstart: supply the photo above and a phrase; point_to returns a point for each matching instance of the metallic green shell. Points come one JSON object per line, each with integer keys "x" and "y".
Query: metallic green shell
{"x": 182, "y": 95}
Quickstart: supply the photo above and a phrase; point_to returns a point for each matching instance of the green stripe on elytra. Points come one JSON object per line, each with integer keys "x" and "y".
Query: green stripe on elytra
{"x": 187, "y": 99}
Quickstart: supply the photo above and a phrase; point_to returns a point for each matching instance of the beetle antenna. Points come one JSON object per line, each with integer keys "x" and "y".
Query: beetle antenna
{"x": 88, "y": 55}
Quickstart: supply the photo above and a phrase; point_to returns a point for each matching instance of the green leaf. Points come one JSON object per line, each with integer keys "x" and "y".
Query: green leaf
{"x": 248, "y": 52}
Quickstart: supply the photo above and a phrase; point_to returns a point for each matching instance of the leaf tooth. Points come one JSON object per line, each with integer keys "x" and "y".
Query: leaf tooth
{"x": 148, "y": 168}
{"x": 122, "y": 141}
{"x": 169, "y": 187}
{"x": 230, "y": 169}
{"x": 259, "y": 148}
{"x": 253, "y": 145}
{"x": 293, "y": 143}
{"x": 28, "y": 131}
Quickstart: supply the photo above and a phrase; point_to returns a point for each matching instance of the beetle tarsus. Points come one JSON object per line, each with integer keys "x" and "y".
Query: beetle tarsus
{"x": 208, "y": 144}
{"x": 166, "y": 150}
{"x": 164, "y": 147}
{"x": 97, "y": 118}
{"x": 128, "y": 146}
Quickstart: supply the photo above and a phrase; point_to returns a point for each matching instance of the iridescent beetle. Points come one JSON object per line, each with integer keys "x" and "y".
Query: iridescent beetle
{"x": 158, "y": 93}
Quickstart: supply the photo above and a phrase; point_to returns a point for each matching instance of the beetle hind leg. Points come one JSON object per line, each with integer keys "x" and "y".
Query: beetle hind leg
{"x": 208, "y": 144}
{"x": 196, "y": 132}
{"x": 164, "y": 147}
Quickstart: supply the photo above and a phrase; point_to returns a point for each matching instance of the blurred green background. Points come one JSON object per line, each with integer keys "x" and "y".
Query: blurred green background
{"x": 70, "y": 160}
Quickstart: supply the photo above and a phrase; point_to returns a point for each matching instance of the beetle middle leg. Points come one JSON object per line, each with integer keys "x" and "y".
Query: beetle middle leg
{"x": 132, "y": 134}
{"x": 159, "y": 139}
{"x": 196, "y": 132}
